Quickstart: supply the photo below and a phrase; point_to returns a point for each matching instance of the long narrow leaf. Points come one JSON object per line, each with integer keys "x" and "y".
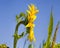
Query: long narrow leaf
{"x": 50, "y": 29}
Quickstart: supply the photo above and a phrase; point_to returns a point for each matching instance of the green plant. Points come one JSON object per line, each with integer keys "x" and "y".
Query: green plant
{"x": 27, "y": 19}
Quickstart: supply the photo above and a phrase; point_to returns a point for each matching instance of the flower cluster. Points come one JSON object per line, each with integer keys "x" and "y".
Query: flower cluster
{"x": 31, "y": 18}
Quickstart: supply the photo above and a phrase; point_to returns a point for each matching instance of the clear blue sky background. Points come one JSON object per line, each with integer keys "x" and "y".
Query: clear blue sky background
{"x": 10, "y": 8}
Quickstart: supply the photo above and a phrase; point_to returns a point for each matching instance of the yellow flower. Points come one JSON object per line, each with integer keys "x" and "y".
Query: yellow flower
{"x": 31, "y": 36}
{"x": 31, "y": 18}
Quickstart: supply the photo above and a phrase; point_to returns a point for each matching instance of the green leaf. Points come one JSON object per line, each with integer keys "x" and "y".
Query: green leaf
{"x": 55, "y": 34}
{"x": 56, "y": 45}
{"x": 22, "y": 14}
{"x": 50, "y": 29}
{"x": 17, "y": 18}
{"x": 20, "y": 17}
{"x": 20, "y": 36}
{"x": 30, "y": 46}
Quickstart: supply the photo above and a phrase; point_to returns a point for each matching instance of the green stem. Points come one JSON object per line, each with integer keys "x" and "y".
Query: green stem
{"x": 16, "y": 33}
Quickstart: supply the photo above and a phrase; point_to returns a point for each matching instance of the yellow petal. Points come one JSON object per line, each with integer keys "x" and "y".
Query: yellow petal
{"x": 31, "y": 36}
{"x": 32, "y": 18}
{"x": 32, "y": 6}
{"x": 30, "y": 25}
{"x": 36, "y": 11}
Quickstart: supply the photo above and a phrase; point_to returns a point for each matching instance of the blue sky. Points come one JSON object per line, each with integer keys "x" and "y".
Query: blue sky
{"x": 10, "y": 8}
